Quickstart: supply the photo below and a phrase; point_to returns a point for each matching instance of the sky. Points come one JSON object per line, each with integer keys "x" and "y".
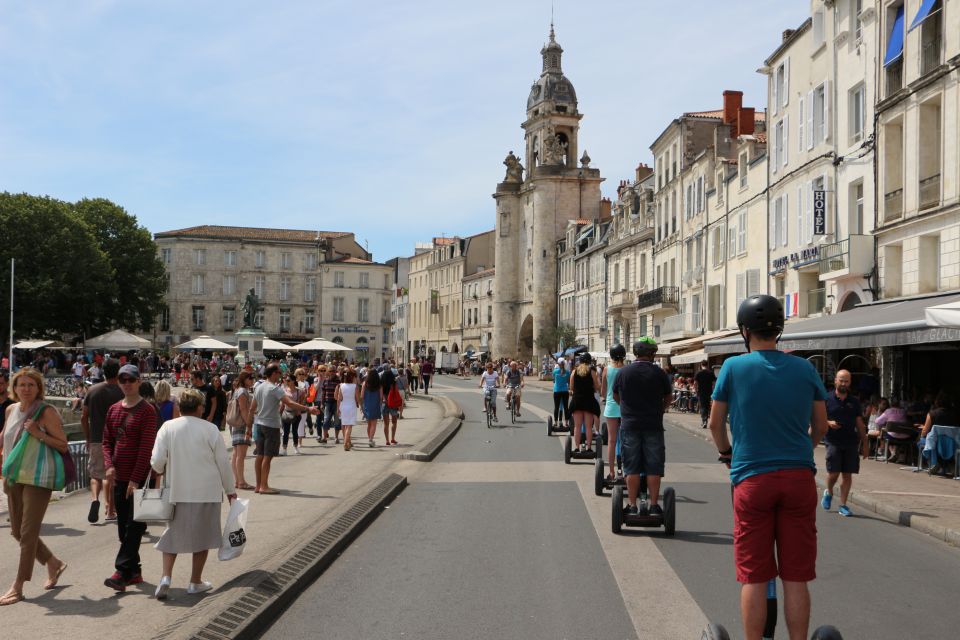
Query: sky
{"x": 387, "y": 119}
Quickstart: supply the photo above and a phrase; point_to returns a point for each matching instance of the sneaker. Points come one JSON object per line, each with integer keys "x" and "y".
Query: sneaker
{"x": 296, "y": 449}
{"x": 371, "y": 443}
{"x": 630, "y": 510}
{"x": 137, "y": 579}
{"x": 110, "y": 517}
{"x": 844, "y": 510}
{"x": 199, "y": 587}
{"x": 162, "y": 588}
{"x": 116, "y": 582}
{"x": 283, "y": 451}
{"x": 827, "y": 500}
{"x": 94, "y": 513}
{"x": 656, "y": 510}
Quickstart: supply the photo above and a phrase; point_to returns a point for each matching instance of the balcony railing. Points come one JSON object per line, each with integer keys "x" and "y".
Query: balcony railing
{"x": 816, "y": 301}
{"x": 660, "y": 296}
{"x": 895, "y": 77}
{"x": 930, "y": 191}
{"x": 930, "y": 56}
{"x": 681, "y": 325}
{"x": 893, "y": 205}
{"x": 835, "y": 257}
{"x": 623, "y": 297}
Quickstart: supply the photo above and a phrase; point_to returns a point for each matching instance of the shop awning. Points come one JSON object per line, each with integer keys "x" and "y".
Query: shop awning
{"x": 886, "y": 323}
{"x": 691, "y": 357}
{"x": 895, "y": 43}
{"x": 669, "y": 348}
{"x": 926, "y": 10}
{"x": 33, "y": 344}
{"x": 943, "y": 315}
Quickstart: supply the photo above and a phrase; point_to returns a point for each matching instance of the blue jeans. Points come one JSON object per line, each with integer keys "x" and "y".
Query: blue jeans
{"x": 330, "y": 420}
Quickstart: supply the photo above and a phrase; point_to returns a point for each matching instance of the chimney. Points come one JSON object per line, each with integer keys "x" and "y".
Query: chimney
{"x": 745, "y": 121}
{"x": 643, "y": 171}
{"x": 732, "y": 102}
{"x": 605, "y": 208}
{"x": 786, "y": 34}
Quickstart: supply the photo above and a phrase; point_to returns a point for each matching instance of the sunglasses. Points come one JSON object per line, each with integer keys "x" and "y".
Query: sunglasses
{"x": 127, "y": 379}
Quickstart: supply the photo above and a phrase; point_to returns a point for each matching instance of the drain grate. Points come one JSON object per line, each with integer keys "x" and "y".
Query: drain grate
{"x": 252, "y": 612}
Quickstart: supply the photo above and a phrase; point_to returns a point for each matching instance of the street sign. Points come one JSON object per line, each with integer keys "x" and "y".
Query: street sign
{"x": 819, "y": 213}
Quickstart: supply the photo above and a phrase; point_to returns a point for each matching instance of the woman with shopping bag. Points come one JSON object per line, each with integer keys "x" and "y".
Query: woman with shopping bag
{"x": 192, "y": 455}
{"x": 33, "y": 445}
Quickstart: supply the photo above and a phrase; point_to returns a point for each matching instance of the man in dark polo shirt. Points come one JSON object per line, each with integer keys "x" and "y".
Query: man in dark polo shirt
{"x": 209, "y": 397}
{"x": 846, "y": 441}
{"x": 703, "y": 382}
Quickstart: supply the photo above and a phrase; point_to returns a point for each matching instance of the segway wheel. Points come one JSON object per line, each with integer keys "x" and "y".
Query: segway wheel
{"x": 616, "y": 515}
{"x": 549, "y": 425}
{"x": 826, "y": 632}
{"x": 715, "y": 632}
{"x": 669, "y": 511}
{"x": 598, "y": 448}
{"x": 598, "y": 477}
{"x": 603, "y": 432}
{"x": 567, "y": 449}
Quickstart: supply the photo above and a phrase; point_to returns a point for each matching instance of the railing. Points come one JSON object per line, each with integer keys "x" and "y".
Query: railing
{"x": 834, "y": 257}
{"x": 893, "y": 205}
{"x": 816, "y": 301}
{"x": 81, "y": 458}
{"x": 930, "y": 191}
{"x": 894, "y": 77}
{"x": 621, "y": 297}
{"x": 661, "y": 295}
{"x": 930, "y": 56}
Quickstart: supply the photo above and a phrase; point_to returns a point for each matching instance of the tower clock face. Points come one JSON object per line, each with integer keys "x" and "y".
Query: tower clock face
{"x": 535, "y": 91}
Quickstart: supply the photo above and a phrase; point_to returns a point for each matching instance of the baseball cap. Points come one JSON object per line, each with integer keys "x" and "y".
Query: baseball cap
{"x": 130, "y": 370}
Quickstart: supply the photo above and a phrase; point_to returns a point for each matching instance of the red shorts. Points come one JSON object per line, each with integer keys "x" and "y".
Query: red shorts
{"x": 776, "y": 509}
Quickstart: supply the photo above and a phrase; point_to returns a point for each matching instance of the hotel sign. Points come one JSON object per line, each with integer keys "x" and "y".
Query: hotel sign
{"x": 819, "y": 213}
{"x": 797, "y": 258}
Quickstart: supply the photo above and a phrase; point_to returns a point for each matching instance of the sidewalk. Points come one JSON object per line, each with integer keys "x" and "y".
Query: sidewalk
{"x": 317, "y": 488}
{"x": 930, "y": 504}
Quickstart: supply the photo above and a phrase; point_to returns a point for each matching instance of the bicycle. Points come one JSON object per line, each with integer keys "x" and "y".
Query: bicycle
{"x": 488, "y": 406}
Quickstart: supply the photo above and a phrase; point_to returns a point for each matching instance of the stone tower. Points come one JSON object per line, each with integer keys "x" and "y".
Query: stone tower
{"x": 532, "y": 211}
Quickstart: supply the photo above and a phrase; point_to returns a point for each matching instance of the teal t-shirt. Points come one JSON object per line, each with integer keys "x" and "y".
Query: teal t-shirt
{"x": 561, "y": 380}
{"x": 770, "y": 396}
{"x": 610, "y": 407}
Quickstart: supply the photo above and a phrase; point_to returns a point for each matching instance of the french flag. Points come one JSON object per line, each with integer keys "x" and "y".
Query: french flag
{"x": 792, "y": 304}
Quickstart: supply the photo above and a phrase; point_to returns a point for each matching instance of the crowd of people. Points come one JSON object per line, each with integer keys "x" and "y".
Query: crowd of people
{"x": 139, "y": 433}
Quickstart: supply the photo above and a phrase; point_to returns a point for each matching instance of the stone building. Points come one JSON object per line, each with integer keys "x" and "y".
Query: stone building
{"x": 436, "y": 286}
{"x": 399, "y": 309}
{"x": 310, "y": 283}
{"x": 532, "y": 211}
{"x": 478, "y": 311}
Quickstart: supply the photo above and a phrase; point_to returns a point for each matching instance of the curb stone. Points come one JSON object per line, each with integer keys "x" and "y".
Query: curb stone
{"x": 452, "y": 420}
{"x": 905, "y": 518}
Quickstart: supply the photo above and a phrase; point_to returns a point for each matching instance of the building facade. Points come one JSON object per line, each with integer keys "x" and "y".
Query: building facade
{"x": 478, "y": 311}
{"x": 310, "y": 284}
{"x": 532, "y": 211}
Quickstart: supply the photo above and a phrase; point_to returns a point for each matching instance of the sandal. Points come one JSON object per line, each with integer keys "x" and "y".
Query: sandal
{"x": 245, "y": 487}
{"x": 51, "y": 583}
{"x": 11, "y": 598}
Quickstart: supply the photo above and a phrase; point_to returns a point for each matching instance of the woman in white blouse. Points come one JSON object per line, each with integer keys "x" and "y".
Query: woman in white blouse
{"x": 192, "y": 455}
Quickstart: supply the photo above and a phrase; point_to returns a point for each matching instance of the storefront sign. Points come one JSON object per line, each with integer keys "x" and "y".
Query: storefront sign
{"x": 799, "y": 257}
{"x": 819, "y": 213}
{"x": 351, "y": 330}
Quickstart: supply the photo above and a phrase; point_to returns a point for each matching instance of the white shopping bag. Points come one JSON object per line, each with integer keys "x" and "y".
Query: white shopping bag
{"x": 234, "y": 537}
{"x": 302, "y": 426}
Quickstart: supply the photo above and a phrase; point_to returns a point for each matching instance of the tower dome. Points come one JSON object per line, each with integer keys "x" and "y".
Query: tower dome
{"x": 552, "y": 89}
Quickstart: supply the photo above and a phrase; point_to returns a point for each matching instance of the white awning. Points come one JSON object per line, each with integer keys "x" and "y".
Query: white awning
{"x": 943, "y": 315}
{"x": 33, "y": 344}
{"x": 206, "y": 343}
{"x": 320, "y": 344}
{"x": 668, "y": 348}
{"x": 117, "y": 339}
{"x": 691, "y": 357}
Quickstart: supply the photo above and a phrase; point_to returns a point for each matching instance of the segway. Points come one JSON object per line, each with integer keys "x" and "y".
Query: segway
{"x": 643, "y": 518}
{"x": 717, "y": 632}
{"x": 600, "y": 480}
{"x": 560, "y": 427}
{"x": 570, "y": 454}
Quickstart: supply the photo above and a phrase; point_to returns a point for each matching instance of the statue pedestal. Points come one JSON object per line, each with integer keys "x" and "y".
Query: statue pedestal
{"x": 250, "y": 343}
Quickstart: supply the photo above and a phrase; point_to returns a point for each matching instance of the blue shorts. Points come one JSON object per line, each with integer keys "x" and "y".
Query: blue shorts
{"x": 643, "y": 452}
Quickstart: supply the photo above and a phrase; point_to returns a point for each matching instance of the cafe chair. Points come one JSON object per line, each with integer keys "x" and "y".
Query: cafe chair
{"x": 909, "y": 442}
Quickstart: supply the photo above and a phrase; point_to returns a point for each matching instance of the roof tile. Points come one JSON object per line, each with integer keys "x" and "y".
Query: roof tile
{"x": 250, "y": 233}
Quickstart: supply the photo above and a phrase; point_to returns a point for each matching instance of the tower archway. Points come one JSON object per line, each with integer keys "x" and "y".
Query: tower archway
{"x": 525, "y": 339}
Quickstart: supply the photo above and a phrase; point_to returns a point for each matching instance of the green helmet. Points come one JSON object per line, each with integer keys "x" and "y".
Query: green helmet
{"x": 645, "y": 346}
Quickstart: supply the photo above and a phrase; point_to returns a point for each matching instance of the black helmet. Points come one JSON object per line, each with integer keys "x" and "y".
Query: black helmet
{"x": 760, "y": 312}
{"x": 645, "y": 346}
{"x": 585, "y": 358}
{"x": 618, "y": 352}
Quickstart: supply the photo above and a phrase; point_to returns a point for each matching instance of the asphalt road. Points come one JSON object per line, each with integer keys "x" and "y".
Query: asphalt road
{"x": 497, "y": 538}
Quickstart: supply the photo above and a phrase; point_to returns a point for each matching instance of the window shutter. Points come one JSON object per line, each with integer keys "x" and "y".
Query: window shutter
{"x": 786, "y": 138}
{"x": 826, "y": 109}
{"x": 808, "y": 216}
{"x": 732, "y": 241}
{"x": 810, "y": 134}
{"x": 773, "y": 150}
{"x": 786, "y": 218}
{"x": 800, "y": 228}
{"x": 741, "y": 287}
{"x": 774, "y": 218}
{"x": 742, "y": 231}
{"x": 827, "y": 208}
{"x": 753, "y": 282}
{"x": 722, "y": 236}
{"x": 786, "y": 82}
{"x": 775, "y": 97}
{"x": 801, "y": 120}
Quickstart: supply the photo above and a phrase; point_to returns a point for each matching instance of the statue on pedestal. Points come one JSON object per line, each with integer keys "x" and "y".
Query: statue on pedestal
{"x": 514, "y": 169}
{"x": 251, "y": 305}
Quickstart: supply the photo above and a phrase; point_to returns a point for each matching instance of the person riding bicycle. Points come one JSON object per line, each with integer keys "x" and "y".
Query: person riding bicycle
{"x": 643, "y": 391}
{"x": 513, "y": 381}
{"x": 489, "y": 381}
{"x": 777, "y": 417}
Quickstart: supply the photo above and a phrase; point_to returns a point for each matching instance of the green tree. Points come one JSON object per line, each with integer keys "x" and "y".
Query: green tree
{"x": 59, "y": 267}
{"x": 138, "y": 283}
{"x": 551, "y": 338}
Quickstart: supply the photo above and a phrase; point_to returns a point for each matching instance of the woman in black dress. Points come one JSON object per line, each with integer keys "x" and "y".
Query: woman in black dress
{"x": 583, "y": 404}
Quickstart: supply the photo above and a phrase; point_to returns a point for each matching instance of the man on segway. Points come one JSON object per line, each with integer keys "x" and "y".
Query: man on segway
{"x": 777, "y": 416}
{"x": 643, "y": 391}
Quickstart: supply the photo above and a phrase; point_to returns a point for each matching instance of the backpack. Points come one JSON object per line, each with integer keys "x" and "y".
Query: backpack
{"x": 394, "y": 399}
{"x": 312, "y": 394}
{"x": 234, "y": 419}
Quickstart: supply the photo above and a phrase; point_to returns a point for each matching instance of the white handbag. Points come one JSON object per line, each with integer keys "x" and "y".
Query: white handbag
{"x": 153, "y": 505}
